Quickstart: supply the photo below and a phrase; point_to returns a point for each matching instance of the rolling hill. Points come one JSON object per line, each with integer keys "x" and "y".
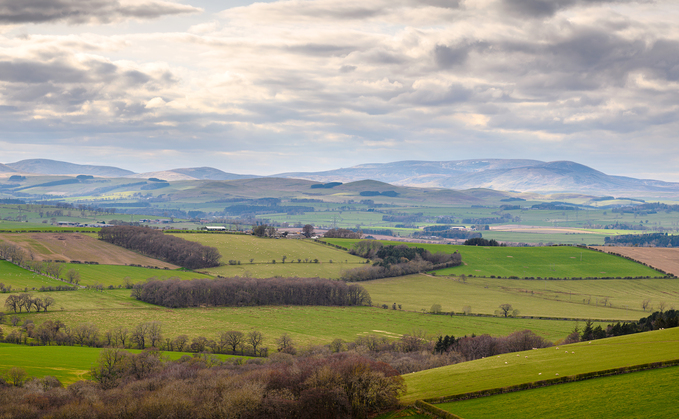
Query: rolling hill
{"x": 53, "y": 167}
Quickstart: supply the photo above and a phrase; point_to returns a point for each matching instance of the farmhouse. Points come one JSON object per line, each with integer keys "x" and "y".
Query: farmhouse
{"x": 215, "y": 228}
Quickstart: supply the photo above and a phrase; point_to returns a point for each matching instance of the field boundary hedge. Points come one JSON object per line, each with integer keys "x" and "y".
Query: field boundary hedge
{"x": 433, "y": 410}
{"x": 552, "y": 381}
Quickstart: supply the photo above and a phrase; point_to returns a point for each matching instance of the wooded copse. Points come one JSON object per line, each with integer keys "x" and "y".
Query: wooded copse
{"x": 231, "y": 292}
{"x": 396, "y": 260}
{"x": 146, "y": 385}
{"x": 156, "y": 244}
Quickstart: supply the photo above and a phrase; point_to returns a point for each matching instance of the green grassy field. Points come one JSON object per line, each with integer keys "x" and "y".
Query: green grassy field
{"x": 644, "y": 394}
{"x": 545, "y": 262}
{"x": 87, "y": 301}
{"x": 550, "y": 298}
{"x": 263, "y": 251}
{"x": 115, "y": 274}
{"x": 307, "y": 325}
{"x": 20, "y": 278}
{"x": 510, "y": 369}
{"x": 67, "y": 363}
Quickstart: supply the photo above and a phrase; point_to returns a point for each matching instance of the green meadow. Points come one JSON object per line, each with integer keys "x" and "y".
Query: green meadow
{"x": 67, "y": 363}
{"x": 299, "y": 256}
{"x": 20, "y": 278}
{"x": 644, "y": 394}
{"x": 116, "y": 275}
{"x": 308, "y": 325}
{"x": 582, "y": 299}
{"x": 535, "y": 365}
{"x": 544, "y": 262}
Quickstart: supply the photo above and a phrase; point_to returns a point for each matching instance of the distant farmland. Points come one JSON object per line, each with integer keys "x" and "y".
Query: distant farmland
{"x": 521, "y": 262}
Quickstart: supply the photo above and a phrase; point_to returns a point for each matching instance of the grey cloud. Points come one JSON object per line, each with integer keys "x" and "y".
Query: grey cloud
{"x": 447, "y": 57}
{"x": 324, "y": 50}
{"x": 347, "y": 68}
{"x": 548, "y": 8}
{"x": 85, "y": 11}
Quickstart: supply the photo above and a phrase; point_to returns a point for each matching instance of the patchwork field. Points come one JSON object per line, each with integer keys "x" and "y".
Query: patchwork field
{"x": 644, "y": 394}
{"x": 544, "y": 262}
{"x": 583, "y": 299}
{"x": 510, "y": 369}
{"x": 76, "y": 246}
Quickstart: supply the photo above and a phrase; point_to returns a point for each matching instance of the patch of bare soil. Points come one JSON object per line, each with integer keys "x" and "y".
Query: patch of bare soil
{"x": 664, "y": 258}
{"x": 75, "y": 246}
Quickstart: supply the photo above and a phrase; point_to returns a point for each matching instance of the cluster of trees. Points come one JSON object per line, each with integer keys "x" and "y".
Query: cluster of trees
{"x": 476, "y": 347}
{"x": 154, "y": 243}
{"x": 25, "y": 301}
{"x": 146, "y": 385}
{"x": 264, "y": 230}
{"x": 449, "y": 234}
{"x": 390, "y": 261}
{"x": 250, "y": 292}
{"x": 342, "y": 233}
{"x": 657, "y": 320}
{"x": 652, "y": 239}
{"x": 479, "y": 241}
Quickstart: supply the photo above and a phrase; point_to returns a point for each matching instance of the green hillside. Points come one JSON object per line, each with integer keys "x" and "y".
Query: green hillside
{"x": 644, "y": 394}
{"x": 529, "y": 366}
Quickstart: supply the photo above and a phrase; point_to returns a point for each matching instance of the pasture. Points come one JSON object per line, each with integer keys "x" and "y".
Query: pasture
{"x": 67, "y": 363}
{"x": 544, "y": 262}
{"x": 643, "y": 394}
{"x": 307, "y": 325}
{"x": 585, "y": 299}
{"x": 299, "y": 256}
{"x": 529, "y": 366}
{"x": 116, "y": 275}
{"x": 20, "y": 278}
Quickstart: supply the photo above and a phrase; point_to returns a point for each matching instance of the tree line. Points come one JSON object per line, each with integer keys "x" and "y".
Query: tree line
{"x": 27, "y": 302}
{"x": 396, "y": 260}
{"x": 154, "y": 243}
{"x": 652, "y": 239}
{"x": 222, "y": 292}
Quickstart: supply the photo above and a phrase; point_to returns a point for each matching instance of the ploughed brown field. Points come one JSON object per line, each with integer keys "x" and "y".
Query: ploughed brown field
{"x": 75, "y": 246}
{"x": 665, "y": 258}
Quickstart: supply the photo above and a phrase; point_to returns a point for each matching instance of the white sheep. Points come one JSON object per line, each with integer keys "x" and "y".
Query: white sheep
{"x": 526, "y": 356}
{"x": 573, "y": 352}
{"x": 539, "y": 373}
{"x": 505, "y": 362}
{"x": 557, "y": 373}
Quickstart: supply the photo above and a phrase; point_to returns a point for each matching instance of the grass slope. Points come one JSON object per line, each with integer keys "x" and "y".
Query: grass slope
{"x": 545, "y": 262}
{"x": 67, "y": 363}
{"x": 510, "y": 369}
{"x": 562, "y": 298}
{"x": 20, "y": 278}
{"x": 644, "y": 394}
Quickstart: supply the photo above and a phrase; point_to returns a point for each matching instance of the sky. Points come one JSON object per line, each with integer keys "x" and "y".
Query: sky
{"x": 310, "y": 85}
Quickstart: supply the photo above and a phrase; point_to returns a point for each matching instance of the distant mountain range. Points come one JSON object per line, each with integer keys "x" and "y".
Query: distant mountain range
{"x": 496, "y": 174}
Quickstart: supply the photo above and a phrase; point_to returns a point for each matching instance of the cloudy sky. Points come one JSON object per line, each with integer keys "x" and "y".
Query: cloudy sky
{"x": 307, "y": 85}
